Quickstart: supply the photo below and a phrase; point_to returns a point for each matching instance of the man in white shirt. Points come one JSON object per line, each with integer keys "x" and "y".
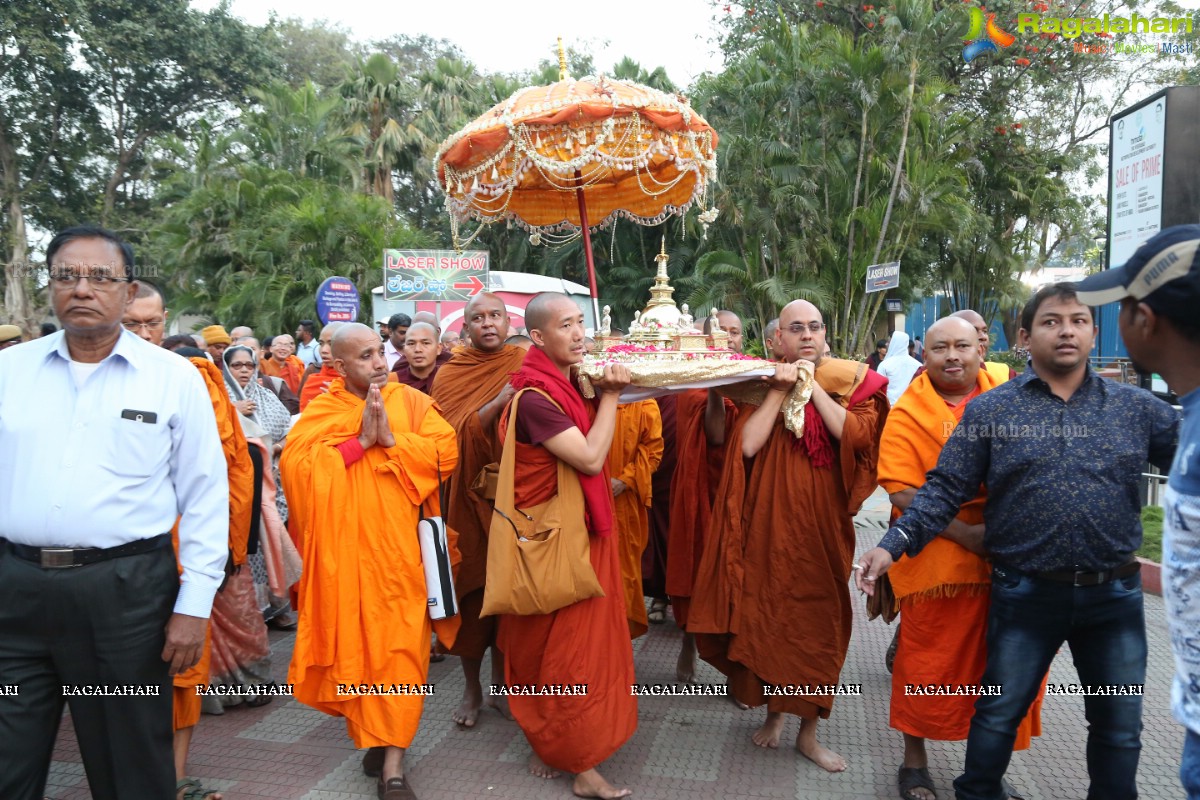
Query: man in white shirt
{"x": 107, "y": 440}
{"x": 393, "y": 348}
{"x": 307, "y": 347}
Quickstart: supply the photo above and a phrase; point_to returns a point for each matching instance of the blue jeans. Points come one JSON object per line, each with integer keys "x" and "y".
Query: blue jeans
{"x": 1189, "y": 768}
{"x": 1028, "y": 621}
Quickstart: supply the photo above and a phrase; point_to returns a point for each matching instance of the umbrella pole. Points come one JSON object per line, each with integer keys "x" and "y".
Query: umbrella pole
{"x": 587, "y": 254}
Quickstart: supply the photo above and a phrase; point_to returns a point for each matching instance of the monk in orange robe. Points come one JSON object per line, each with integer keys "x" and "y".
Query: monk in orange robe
{"x": 359, "y": 465}
{"x": 588, "y": 641}
{"x": 316, "y": 381}
{"x": 943, "y": 592}
{"x": 283, "y": 364}
{"x": 771, "y": 595}
{"x": 700, "y": 459}
{"x": 636, "y": 451}
{"x": 147, "y": 307}
{"x": 241, "y": 502}
{"x": 472, "y": 389}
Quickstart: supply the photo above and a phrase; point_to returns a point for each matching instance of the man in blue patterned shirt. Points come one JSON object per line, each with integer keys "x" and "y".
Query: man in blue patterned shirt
{"x": 1159, "y": 291}
{"x": 1060, "y": 451}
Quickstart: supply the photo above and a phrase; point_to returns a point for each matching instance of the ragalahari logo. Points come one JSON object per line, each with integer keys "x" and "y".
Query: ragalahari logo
{"x": 984, "y": 35}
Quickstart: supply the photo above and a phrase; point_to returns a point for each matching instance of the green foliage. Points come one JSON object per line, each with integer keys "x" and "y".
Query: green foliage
{"x": 1152, "y": 534}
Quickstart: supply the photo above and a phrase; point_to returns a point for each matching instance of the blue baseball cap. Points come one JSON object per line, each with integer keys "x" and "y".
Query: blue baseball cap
{"x": 1164, "y": 274}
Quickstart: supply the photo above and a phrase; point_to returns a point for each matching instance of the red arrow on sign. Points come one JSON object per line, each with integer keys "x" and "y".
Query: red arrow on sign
{"x": 475, "y": 285}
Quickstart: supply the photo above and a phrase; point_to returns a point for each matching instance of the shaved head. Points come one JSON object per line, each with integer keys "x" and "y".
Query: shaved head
{"x": 327, "y": 333}
{"x": 241, "y": 332}
{"x": 488, "y": 298}
{"x": 731, "y": 323}
{"x": 249, "y": 341}
{"x": 421, "y": 327}
{"x": 358, "y": 357}
{"x": 801, "y": 333}
{"x": 542, "y": 309}
{"x": 979, "y": 324}
{"x": 970, "y": 316}
{"x": 146, "y": 313}
{"x": 428, "y": 318}
{"x": 486, "y": 322}
{"x": 344, "y": 333}
{"x": 952, "y": 356}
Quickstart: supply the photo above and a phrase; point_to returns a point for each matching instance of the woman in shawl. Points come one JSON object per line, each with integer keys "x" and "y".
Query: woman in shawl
{"x": 266, "y": 418}
{"x": 898, "y": 366}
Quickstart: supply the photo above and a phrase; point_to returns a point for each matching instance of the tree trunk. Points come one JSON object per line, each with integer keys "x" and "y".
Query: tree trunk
{"x": 17, "y": 271}
{"x": 864, "y": 320}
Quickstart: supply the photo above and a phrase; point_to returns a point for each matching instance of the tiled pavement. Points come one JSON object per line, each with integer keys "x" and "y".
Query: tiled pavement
{"x": 686, "y": 747}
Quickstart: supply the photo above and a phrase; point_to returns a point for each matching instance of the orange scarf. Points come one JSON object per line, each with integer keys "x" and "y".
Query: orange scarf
{"x": 918, "y": 427}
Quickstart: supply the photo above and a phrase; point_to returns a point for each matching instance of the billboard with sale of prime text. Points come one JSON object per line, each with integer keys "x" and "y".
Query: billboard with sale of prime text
{"x": 1136, "y": 178}
{"x": 438, "y": 275}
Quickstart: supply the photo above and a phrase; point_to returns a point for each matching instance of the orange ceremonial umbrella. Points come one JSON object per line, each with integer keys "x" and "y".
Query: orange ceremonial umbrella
{"x": 563, "y": 159}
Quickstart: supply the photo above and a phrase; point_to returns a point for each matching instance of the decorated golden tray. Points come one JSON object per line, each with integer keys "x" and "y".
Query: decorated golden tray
{"x": 657, "y": 372}
{"x": 666, "y": 353}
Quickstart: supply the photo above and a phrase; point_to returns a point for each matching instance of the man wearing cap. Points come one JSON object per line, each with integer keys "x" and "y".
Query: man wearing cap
{"x": 1060, "y": 451}
{"x": 10, "y": 335}
{"x": 384, "y": 330}
{"x": 93, "y": 610}
{"x": 1159, "y": 291}
{"x": 215, "y": 341}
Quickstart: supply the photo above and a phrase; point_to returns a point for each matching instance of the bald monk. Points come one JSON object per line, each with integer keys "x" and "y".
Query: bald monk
{"x": 635, "y": 453}
{"x": 588, "y": 641}
{"x": 145, "y": 316}
{"x": 365, "y": 452}
{"x": 317, "y": 380}
{"x": 283, "y": 364}
{"x": 782, "y": 520}
{"x": 943, "y": 592}
{"x": 420, "y": 363}
{"x": 700, "y": 461}
{"x": 1002, "y": 372}
{"x": 471, "y": 390}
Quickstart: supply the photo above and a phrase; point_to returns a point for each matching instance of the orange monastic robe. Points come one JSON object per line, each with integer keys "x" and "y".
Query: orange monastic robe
{"x": 943, "y": 592}
{"x": 637, "y": 450}
{"x": 313, "y": 385}
{"x": 771, "y": 601}
{"x": 586, "y": 642}
{"x": 697, "y": 473}
{"x": 290, "y": 371}
{"x": 362, "y": 596}
{"x": 464, "y": 384}
{"x": 241, "y": 503}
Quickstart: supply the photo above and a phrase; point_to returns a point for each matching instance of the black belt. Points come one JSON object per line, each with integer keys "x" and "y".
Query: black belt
{"x": 1090, "y": 578}
{"x": 62, "y": 557}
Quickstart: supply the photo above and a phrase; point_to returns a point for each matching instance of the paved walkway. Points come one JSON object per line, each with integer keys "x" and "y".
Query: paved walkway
{"x": 685, "y": 747}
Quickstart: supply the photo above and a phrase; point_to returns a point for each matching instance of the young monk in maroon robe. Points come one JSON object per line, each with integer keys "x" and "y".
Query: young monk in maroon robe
{"x": 771, "y": 597}
{"x": 588, "y": 641}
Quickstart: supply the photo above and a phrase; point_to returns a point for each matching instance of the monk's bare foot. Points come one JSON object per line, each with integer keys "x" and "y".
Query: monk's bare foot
{"x": 729, "y": 693}
{"x": 194, "y": 786}
{"x": 823, "y": 757}
{"x": 539, "y": 768}
{"x": 592, "y": 784}
{"x": 768, "y": 735}
{"x": 467, "y": 714}
{"x": 500, "y": 703}
{"x": 685, "y": 667}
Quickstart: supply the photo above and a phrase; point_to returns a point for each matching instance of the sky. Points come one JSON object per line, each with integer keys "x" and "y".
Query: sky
{"x": 678, "y": 35}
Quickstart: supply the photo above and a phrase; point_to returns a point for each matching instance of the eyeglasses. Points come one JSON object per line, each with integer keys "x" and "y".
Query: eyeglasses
{"x": 68, "y": 279}
{"x": 242, "y": 365}
{"x": 798, "y": 327}
{"x": 152, "y": 325}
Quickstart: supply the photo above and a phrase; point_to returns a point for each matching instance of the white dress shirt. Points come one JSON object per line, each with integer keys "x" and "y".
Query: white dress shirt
{"x": 391, "y": 353}
{"x": 309, "y": 353}
{"x": 74, "y": 472}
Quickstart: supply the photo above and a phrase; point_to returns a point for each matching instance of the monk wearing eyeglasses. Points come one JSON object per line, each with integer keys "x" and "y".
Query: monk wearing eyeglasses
{"x": 770, "y": 606}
